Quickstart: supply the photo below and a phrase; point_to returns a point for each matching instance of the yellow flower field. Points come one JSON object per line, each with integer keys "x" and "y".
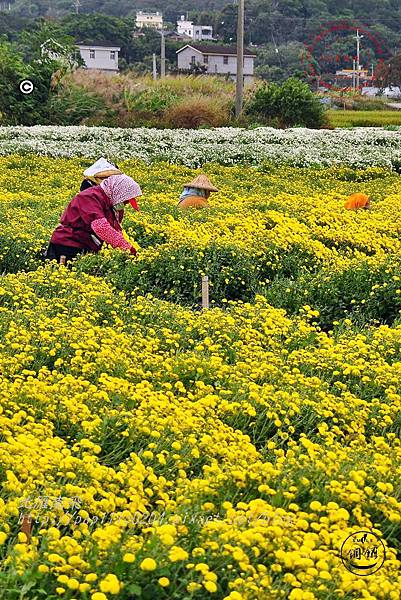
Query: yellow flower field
{"x": 165, "y": 452}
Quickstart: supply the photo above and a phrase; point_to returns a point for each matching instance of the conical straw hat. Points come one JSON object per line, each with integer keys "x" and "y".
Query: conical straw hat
{"x": 203, "y": 183}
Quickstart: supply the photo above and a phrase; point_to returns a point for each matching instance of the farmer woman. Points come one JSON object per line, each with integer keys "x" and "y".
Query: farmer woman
{"x": 94, "y": 216}
{"x": 355, "y": 201}
{"x": 196, "y": 193}
{"x": 98, "y": 172}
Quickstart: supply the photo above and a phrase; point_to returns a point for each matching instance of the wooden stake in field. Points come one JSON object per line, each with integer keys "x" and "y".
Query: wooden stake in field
{"x": 63, "y": 259}
{"x": 205, "y": 291}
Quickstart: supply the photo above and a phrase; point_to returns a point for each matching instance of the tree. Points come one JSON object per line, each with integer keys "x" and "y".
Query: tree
{"x": 29, "y": 43}
{"x": 11, "y": 25}
{"x": 227, "y": 26}
{"x": 389, "y": 74}
{"x": 17, "y": 108}
{"x": 268, "y": 23}
{"x": 279, "y": 63}
{"x": 290, "y": 104}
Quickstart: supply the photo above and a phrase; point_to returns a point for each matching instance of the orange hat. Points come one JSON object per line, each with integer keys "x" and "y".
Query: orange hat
{"x": 355, "y": 201}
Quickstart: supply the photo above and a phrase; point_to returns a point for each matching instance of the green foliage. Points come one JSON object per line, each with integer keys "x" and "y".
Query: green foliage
{"x": 389, "y": 74}
{"x": 11, "y": 25}
{"x": 101, "y": 28}
{"x": 15, "y": 107}
{"x": 12, "y": 70}
{"x": 290, "y": 104}
{"x": 152, "y": 100}
{"x": 121, "y": 8}
{"x": 284, "y": 20}
{"x": 160, "y": 277}
{"x": 282, "y": 30}
{"x": 74, "y": 104}
{"x": 29, "y": 42}
{"x": 130, "y": 100}
{"x": 362, "y": 293}
{"x": 279, "y": 63}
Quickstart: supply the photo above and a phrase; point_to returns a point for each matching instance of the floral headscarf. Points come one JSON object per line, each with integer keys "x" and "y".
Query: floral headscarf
{"x": 120, "y": 188}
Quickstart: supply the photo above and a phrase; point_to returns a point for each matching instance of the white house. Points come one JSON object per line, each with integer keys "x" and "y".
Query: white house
{"x": 195, "y": 32}
{"x": 145, "y": 19}
{"x": 101, "y": 55}
{"x": 219, "y": 60}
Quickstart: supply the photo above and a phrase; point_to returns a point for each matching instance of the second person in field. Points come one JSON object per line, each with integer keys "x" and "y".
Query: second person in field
{"x": 196, "y": 193}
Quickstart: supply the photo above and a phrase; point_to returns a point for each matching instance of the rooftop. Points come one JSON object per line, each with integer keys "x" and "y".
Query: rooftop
{"x": 102, "y": 44}
{"x": 217, "y": 49}
{"x": 149, "y": 14}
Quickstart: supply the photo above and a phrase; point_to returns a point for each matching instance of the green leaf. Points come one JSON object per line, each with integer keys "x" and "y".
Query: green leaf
{"x": 134, "y": 589}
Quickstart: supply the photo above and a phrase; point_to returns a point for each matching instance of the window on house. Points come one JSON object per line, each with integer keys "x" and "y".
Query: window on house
{"x": 92, "y": 54}
{"x": 193, "y": 60}
{"x": 225, "y": 60}
{"x": 112, "y": 55}
{"x": 206, "y": 59}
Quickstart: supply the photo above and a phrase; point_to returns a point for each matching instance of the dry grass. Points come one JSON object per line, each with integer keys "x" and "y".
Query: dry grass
{"x": 109, "y": 87}
{"x": 196, "y": 111}
{"x": 176, "y": 101}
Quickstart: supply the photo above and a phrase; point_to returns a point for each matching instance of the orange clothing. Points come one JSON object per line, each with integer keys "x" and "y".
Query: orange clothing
{"x": 193, "y": 202}
{"x": 355, "y": 201}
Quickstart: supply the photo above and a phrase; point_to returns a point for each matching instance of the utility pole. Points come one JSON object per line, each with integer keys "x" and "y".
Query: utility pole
{"x": 358, "y": 38}
{"x": 163, "y": 56}
{"x": 353, "y": 75}
{"x": 240, "y": 58}
{"x": 154, "y": 67}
